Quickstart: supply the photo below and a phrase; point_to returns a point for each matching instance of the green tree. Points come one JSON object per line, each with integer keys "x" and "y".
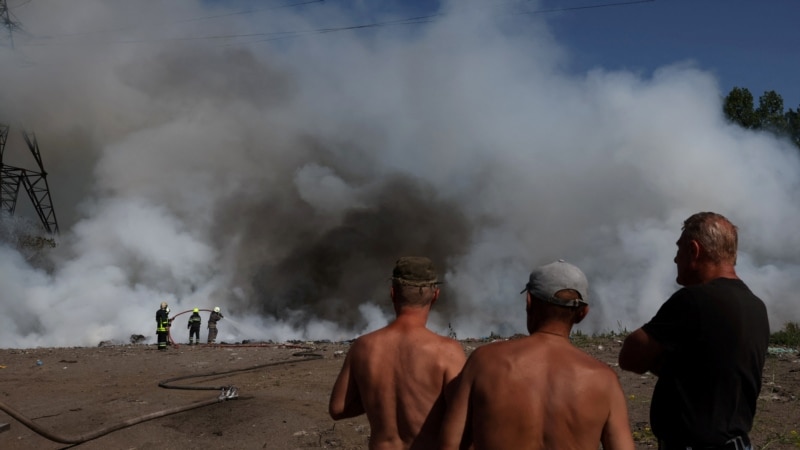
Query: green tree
{"x": 738, "y": 108}
{"x": 769, "y": 116}
{"x": 793, "y": 125}
{"x": 770, "y": 113}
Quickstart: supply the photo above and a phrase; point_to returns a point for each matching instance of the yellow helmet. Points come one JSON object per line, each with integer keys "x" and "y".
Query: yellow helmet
{"x": 196, "y": 310}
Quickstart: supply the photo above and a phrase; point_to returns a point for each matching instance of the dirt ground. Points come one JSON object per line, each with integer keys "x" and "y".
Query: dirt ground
{"x": 83, "y": 393}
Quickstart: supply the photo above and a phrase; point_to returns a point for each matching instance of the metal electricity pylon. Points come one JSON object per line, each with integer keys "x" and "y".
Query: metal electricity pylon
{"x": 7, "y": 23}
{"x": 35, "y": 183}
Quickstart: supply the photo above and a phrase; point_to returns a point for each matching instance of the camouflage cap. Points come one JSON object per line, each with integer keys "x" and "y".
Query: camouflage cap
{"x": 415, "y": 271}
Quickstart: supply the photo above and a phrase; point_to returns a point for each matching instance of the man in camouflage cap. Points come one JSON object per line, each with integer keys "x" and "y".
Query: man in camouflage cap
{"x": 415, "y": 271}
{"x": 402, "y": 374}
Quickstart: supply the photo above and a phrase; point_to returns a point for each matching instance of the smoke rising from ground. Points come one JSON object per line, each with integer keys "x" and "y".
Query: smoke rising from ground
{"x": 200, "y": 157}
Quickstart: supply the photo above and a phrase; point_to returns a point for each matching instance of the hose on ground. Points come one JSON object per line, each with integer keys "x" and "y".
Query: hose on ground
{"x": 79, "y": 439}
{"x": 307, "y": 356}
{"x": 227, "y": 392}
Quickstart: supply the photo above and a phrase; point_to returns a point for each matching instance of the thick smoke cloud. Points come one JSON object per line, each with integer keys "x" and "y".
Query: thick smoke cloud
{"x": 206, "y": 158}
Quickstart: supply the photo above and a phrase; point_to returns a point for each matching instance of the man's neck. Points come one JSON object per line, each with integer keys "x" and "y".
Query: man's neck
{"x": 408, "y": 316}
{"x": 552, "y": 328}
{"x": 565, "y": 336}
{"x": 711, "y": 272}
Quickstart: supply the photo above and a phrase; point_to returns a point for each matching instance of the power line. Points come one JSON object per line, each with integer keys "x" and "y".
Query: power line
{"x": 274, "y": 35}
{"x": 172, "y": 22}
{"x": 433, "y": 17}
{"x": 577, "y": 8}
{"x": 252, "y": 10}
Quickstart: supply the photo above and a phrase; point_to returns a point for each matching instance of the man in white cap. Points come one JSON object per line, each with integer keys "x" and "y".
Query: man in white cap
{"x": 540, "y": 391}
{"x": 215, "y": 317}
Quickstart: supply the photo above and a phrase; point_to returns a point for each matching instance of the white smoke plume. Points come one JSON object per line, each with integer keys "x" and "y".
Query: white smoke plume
{"x": 208, "y": 154}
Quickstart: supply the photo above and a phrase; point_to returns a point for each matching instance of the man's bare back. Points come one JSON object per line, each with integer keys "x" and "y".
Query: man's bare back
{"x": 540, "y": 392}
{"x": 400, "y": 375}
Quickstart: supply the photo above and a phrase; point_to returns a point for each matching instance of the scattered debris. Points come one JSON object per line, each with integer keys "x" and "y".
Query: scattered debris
{"x": 137, "y": 339}
{"x": 781, "y": 350}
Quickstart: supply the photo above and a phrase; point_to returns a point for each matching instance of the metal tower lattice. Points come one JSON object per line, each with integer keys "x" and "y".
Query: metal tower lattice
{"x": 6, "y": 21}
{"x": 35, "y": 183}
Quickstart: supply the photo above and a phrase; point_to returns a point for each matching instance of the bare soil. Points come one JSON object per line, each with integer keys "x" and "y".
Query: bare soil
{"x": 80, "y": 393}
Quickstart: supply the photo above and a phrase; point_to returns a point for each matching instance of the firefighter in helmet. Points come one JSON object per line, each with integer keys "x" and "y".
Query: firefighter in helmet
{"x": 194, "y": 327}
{"x": 215, "y": 317}
{"x": 162, "y": 326}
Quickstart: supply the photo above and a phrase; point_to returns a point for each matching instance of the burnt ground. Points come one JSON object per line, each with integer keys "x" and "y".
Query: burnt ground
{"x": 80, "y": 393}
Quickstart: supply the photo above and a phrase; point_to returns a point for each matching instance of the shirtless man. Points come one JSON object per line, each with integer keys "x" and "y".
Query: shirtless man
{"x": 401, "y": 374}
{"x": 540, "y": 392}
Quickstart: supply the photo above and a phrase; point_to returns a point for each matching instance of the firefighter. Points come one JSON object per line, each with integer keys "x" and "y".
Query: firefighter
{"x": 215, "y": 317}
{"x": 194, "y": 327}
{"x": 162, "y": 326}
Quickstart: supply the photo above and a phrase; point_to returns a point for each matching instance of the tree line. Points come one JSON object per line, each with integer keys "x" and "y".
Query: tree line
{"x": 739, "y": 108}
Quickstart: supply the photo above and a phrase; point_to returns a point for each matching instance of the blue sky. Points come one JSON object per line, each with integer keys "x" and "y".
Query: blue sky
{"x": 745, "y": 43}
{"x": 752, "y": 44}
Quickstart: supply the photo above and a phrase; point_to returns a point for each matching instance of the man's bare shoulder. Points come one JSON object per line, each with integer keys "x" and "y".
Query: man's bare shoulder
{"x": 531, "y": 347}
{"x": 586, "y": 367}
{"x": 592, "y": 363}
{"x": 418, "y": 336}
{"x": 367, "y": 341}
{"x": 487, "y": 353}
{"x": 444, "y": 340}
{"x": 450, "y": 348}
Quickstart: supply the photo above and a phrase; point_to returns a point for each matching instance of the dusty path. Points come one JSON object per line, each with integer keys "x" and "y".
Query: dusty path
{"x": 282, "y": 403}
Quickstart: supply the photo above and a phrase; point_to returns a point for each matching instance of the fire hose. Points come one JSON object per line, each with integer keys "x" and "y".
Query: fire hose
{"x": 226, "y": 393}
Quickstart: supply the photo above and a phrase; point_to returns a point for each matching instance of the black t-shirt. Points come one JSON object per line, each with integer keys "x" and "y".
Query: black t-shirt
{"x": 715, "y": 337}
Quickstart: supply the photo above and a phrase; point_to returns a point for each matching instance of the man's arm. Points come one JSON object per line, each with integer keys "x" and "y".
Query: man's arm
{"x": 641, "y": 353}
{"x": 456, "y": 359}
{"x": 345, "y": 399}
{"x": 617, "y": 430}
{"x": 456, "y": 433}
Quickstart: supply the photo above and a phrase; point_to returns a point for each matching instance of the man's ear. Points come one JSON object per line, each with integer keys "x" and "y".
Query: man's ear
{"x": 695, "y": 249}
{"x": 391, "y": 293}
{"x": 581, "y": 313}
{"x": 435, "y": 295}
